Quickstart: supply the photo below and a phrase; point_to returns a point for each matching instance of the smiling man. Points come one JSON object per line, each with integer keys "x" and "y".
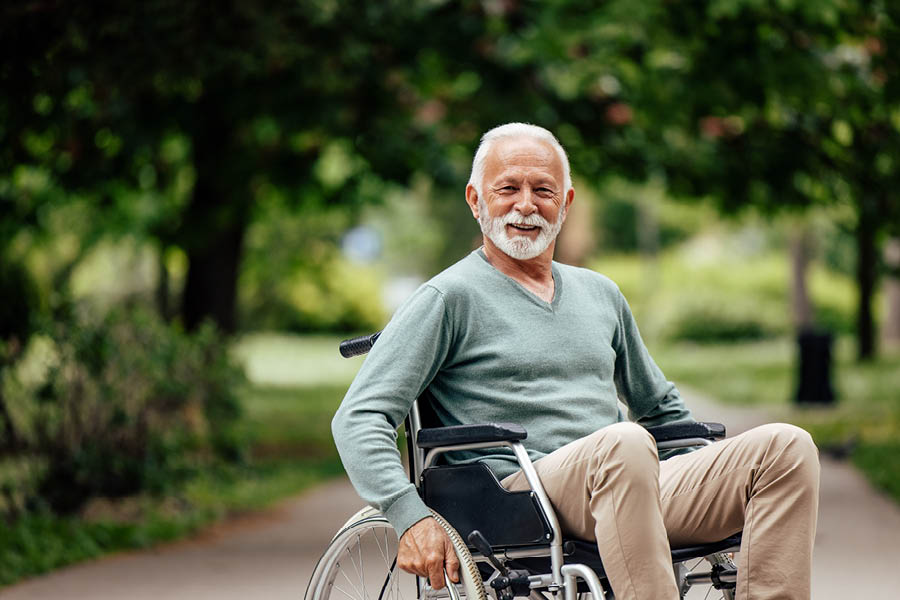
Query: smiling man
{"x": 509, "y": 335}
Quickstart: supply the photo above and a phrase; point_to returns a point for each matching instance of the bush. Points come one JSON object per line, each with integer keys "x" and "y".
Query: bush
{"x": 710, "y": 320}
{"x": 112, "y": 408}
{"x": 335, "y": 296}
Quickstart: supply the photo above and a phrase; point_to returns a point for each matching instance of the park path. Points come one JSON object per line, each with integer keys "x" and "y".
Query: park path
{"x": 271, "y": 555}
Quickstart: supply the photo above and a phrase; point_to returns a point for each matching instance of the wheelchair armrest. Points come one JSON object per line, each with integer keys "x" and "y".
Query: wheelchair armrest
{"x": 470, "y": 434}
{"x": 680, "y": 431}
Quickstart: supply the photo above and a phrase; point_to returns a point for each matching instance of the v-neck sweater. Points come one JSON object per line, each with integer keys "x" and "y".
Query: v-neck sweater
{"x": 489, "y": 350}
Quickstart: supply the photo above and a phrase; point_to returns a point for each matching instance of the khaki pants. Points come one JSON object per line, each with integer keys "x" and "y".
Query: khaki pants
{"x": 611, "y": 487}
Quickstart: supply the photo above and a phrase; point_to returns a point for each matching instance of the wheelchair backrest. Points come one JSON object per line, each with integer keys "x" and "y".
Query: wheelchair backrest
{"x": 421, "y": 416}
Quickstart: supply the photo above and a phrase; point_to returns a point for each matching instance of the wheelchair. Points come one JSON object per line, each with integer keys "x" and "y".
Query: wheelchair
{"x": 509, "y": 544}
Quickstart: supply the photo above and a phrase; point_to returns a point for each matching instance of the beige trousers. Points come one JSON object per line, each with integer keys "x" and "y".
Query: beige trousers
{"x": 611, "y": 487}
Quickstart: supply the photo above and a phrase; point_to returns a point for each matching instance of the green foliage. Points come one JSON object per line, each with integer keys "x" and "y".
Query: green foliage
{"x": 626, "y": 209}
{"x": 746, "y": 374}
{"x": 762, "y": 104}
{"x": 290, "y": 421}
{"x": 706, "y": 320}
{"x": 880, "y": 461}
{"x": 122, "y": 405}
{"x": 724, "y": 286}
{"x": 290, "y": 448}
{"x": 294, "y": 277}
{"x": 37, "y": 543}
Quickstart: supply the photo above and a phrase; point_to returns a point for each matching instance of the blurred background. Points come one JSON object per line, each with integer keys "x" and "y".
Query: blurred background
{"x": 199, "y": 200}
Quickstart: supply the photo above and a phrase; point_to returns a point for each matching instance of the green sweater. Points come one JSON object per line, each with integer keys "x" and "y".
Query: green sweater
{"x": 491, "y": 351}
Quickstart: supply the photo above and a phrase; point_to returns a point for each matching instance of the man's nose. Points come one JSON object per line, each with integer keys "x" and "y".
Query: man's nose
{"x": 525, "y": 203}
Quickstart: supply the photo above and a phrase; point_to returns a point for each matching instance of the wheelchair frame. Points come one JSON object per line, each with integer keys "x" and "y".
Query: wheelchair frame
{"x": 427, "y": 444}
{"x": 564, "y": 576}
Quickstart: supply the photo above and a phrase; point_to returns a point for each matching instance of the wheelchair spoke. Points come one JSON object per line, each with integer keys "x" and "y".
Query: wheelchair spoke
{"x": 356, "y": 569}
{"x": 362, "y": 575}
{"x": 384, "y": 553}
{"x": 349, "y": 581}
{"x": 361, "y": 564}
{"x": 341, "y": 590}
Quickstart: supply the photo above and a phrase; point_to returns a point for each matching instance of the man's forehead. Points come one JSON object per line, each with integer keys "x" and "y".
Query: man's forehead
{"x": 512, "y": 152}
{"x": 523, "y": 147}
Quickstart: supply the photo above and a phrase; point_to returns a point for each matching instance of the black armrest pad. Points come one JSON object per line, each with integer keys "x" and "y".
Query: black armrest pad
{"x": 680, "y": 431}
{"x": 470, "y": 434}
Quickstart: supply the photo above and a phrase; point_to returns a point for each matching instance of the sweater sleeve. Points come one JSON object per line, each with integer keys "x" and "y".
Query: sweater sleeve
{"x": 651, "y": 399}
{"x": 398, "y": 368}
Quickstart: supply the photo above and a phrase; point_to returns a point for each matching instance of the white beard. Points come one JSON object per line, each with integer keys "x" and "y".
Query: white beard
{"x": 519, "y": 247}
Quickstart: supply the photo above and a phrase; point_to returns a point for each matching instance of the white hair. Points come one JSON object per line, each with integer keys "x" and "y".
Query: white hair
{"x": 516, "y": 130}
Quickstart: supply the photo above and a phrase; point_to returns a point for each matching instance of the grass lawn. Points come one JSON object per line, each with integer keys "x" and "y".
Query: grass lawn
{"x": 865, "y": 422}
{"x": 296, "y": 385}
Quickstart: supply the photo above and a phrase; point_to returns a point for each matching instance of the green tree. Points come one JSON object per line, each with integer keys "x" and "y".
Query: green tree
{"x": 172, "y": 120}
{"x": 771, "y": 105}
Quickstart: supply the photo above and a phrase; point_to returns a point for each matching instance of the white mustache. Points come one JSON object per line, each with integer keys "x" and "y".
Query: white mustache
{"x": 517, "y": 218}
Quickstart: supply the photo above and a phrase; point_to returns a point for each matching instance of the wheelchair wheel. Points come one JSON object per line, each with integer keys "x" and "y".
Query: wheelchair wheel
{"x": 360, "y": 563}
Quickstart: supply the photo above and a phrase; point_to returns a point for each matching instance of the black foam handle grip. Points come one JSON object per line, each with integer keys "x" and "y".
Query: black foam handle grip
{"x": 358, "y": 345}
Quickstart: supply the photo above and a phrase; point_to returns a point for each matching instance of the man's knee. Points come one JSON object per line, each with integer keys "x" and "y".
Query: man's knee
{"x": 624, "y": 452}
{"x": 627, "y": 439}
{"x": 789, "y": 447}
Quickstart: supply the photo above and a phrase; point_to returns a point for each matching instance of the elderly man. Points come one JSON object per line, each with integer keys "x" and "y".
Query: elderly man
{"x": 507, "y": 334}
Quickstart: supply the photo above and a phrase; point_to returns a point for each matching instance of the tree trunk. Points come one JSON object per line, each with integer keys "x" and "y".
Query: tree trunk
{"x": 212, "y": 232}
{"x": 214, "y": 257}
{"x": 866, "y": 272}
{"x": 890, "y": 333}
{"x": 800, "y": 256}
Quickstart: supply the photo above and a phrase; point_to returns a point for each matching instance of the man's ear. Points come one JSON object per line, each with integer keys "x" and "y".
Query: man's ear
{"x": 570, "y": 197}
{"x": 472, "y": 200}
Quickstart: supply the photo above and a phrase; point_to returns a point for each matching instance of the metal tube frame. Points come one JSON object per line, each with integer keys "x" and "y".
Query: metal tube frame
{"x": 562, "y": 576}
{"x": 572, "y": 572}
{"x": 556, "y": 550}
{"x": 418, "y": 455}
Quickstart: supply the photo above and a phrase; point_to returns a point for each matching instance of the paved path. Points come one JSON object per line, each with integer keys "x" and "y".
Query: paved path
{"x": 267, "y": 556}
{"x": 272, "y": 555}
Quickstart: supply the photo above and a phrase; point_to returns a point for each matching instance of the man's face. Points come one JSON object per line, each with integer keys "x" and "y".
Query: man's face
{"x": 522, "y": 205}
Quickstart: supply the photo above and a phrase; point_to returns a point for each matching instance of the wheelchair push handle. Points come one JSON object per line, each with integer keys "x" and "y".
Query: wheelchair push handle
{"x": 358, "y": 345}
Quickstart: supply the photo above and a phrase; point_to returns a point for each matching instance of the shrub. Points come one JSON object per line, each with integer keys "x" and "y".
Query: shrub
{"x": 708, "y": 320}
{"x": 124, "y": 405}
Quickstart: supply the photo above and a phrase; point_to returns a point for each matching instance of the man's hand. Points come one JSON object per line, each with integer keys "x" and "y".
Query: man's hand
{"x": 424, "y": 550}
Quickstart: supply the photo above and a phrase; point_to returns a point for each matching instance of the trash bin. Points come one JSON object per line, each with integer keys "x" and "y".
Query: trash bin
{"x": 814, "y": 368}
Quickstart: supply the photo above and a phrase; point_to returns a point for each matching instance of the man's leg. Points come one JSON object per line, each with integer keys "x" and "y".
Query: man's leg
{"x": 606, "y": 487}
{"x": 764, "y": 482}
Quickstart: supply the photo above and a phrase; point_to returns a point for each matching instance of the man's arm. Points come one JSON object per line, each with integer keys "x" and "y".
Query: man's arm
{"x": 400, "y": 365}
{"x": 651, "y": 399}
